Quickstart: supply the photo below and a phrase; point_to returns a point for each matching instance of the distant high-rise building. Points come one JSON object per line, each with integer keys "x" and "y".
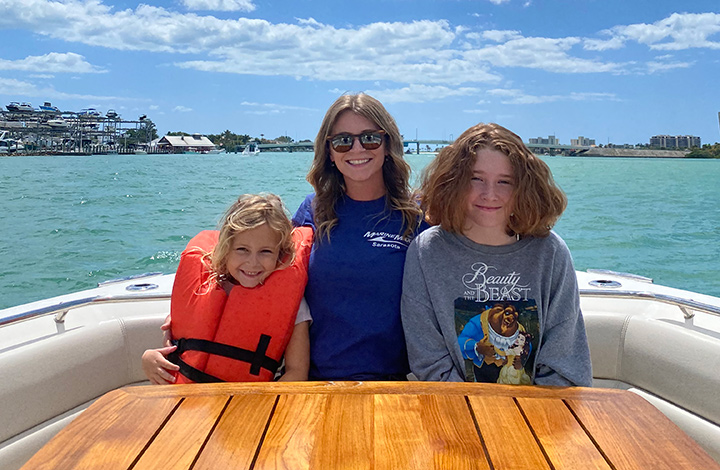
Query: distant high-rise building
{"x": 582, "y": 142}
{"x": 675, "y": 141}
{"x": 551, "y": 140}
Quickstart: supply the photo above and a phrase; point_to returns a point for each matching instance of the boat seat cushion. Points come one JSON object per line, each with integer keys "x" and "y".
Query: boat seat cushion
{"x": 673, "y": 362}
{"x": 45, "y": 379}
{"x": 658, "y": 356}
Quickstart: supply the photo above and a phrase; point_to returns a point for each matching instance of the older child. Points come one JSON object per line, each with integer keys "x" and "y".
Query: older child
{"x": 492, "y": 275}
{"x": 236, "y": 302}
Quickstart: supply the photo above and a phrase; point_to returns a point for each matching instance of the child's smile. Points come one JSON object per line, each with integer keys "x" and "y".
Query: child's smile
{"x": 253, "y": 255}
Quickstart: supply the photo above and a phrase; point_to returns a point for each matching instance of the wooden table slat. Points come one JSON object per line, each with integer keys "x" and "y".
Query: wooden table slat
{"x": 562, "y": 438}
{"x": 179, "y": 441}
{"x": 291, "y": 436}
{"x": 648, "y": 436}
{"x": 433, "y": 432}
{"x": 345, "y": 440}
{"x": 509, "y": 441}
{"x": 236, "y": 439}
{"x": 111, "y": 425}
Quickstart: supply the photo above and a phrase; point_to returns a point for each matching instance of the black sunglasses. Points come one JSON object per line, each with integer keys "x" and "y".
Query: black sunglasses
{"x": 369, "y": 140}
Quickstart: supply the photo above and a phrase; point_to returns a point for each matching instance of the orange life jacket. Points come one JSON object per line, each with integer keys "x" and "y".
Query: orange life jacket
{"x": 240, "y": 337}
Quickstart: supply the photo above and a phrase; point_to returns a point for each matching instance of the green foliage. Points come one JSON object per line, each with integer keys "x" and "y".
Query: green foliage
{"x": 229, "y": 140}
{"x": 142, "y": 135}
{"x": 707, "y": 151}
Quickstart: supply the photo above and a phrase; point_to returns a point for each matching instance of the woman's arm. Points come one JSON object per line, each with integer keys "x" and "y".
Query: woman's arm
{"x": 297, "y": 354}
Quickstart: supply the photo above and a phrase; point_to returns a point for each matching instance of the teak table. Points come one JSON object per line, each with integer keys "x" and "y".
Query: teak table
{"x": 370, "y": 425}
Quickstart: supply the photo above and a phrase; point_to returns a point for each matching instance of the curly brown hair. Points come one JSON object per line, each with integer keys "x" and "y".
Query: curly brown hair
{"x": 537, "y": 202}
{"x": 328, "y": 182}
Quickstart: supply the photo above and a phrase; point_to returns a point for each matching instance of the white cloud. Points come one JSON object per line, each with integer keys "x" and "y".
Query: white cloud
{"x": 604, "y": 44}
{"x": 421, "y": 93}
{"x": 501, "y": 36}
{"x": 219, "y": 5}
{"x": 10, "y": 86}
{"x": 264, "y": 108}
{"x": 498, "y": 2}
{"x": 514, "y": 96}
{"x": 53, "y": 62}
{"x": 676, "y": 32}
{"x": 656, "y": 66}
{"x": 429, "y": 53}
{"x": 539, "y": 53}
{"x": 182, "y": 109}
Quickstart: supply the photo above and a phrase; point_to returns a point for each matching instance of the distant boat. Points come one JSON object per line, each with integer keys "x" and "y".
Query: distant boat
{"x": 19, "y": 107}
{"x": 251, "y": 149}
{"x": 89, "y": 112}
{"x": 47, "y": 107}
{"x": 58, "y": 122}
{"x": 111, "y": 114}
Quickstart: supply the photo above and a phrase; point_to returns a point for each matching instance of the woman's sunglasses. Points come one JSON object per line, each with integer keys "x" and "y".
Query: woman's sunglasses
{"x": 369, "y": 140}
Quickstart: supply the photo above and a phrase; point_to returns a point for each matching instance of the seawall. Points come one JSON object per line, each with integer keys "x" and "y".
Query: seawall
{"x": 632, "y": 153}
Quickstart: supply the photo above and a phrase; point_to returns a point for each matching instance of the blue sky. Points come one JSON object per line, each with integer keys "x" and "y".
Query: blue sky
{"x": 614, "y": 71}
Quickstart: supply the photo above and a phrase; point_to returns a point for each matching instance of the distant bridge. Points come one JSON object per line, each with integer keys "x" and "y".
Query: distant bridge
{"x": 536, "y": 148}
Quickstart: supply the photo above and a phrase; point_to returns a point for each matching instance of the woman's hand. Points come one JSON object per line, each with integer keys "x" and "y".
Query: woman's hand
{"x": 157, "y": 368}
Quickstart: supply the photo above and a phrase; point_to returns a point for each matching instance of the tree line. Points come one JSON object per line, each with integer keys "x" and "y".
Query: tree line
{"x": 707, "y": 151}
{"x": 232, "y": 142}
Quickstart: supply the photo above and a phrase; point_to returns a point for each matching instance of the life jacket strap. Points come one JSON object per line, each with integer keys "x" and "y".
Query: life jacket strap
{"x": 257, "y": 359}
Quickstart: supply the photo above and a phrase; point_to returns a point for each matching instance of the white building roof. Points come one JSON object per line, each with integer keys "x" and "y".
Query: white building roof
{"x": 187, "y": 141}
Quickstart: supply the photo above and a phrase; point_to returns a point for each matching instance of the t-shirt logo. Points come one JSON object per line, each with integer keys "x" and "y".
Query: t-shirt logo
{"x": 484, "y": 284}
{"x": 387, "y": 240}
{"x": 497, "y": 326}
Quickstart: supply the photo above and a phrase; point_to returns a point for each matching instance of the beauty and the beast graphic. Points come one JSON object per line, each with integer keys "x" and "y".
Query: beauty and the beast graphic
{"x": 497, "y": 327}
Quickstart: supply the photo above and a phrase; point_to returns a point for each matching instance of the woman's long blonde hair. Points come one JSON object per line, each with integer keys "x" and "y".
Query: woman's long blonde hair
{"x": 537, "y": 201}
{"x": 328, "y": 182}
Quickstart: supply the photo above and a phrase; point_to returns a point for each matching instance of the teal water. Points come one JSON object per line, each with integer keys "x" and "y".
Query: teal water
{"x": 67, "y": 223}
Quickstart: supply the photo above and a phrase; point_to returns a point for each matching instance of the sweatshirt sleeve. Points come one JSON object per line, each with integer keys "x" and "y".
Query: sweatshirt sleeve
{"x": 428, "y": 353}
{"x": 564, "y": 356}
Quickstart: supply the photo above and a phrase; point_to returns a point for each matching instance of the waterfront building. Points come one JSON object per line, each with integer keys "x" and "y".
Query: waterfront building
{"x": 582, "y": 142}
{"x": 185, "y": 143}
{"x": 551, "y": 140}
{"x": 674, "y": 141}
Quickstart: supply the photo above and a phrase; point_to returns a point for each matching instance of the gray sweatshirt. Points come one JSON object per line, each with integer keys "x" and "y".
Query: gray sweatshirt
{"x": 506, "y": 314}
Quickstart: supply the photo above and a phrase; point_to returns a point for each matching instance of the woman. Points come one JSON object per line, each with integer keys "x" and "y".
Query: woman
{"x": 364, "y": 219}
{"x": 492, "y": 275}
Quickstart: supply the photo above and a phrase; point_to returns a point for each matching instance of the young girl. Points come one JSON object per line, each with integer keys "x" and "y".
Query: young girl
{"x": 492, "y": 270}
{"x": 237, "y": 302}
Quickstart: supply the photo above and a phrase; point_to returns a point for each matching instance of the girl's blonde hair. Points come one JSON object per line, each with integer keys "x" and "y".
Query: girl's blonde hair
{"x": 248, "y": 212}
{"x": 328, "y": 182}
{"x": 536, "y": 204}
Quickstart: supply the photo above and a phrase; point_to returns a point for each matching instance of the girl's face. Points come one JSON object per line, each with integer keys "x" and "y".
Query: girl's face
{"x": 253, "y": 255}
{"x": 489, "y": 199}
{"x": 361, "y": 168}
